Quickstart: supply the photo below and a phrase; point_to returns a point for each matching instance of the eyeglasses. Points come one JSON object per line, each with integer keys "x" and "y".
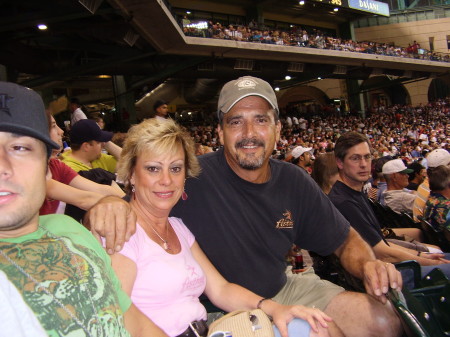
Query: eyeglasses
{"x": 357, "y": 158}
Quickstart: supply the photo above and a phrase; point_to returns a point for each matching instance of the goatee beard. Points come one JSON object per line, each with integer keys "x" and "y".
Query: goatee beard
{"x": 250, "y": 162}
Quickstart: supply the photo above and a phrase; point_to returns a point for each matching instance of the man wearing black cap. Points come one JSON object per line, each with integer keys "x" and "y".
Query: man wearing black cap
{"x": 76, "y": 114}
{"x": 161, "y": 109}
{"x": 60, "y": 270}
{"x": 87, "y": 141}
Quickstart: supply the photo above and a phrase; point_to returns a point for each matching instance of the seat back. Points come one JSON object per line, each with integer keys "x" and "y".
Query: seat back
{"x": 446, "y": 234}
{"x": 408, "y": 221}
{"x": 425, "y": 310}
{"x": 434, "y": 236}
{"x": 411, "y": 324}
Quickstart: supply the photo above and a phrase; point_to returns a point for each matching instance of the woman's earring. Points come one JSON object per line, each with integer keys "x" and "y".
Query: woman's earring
{"x": 184, "y": 195}
{"x": 132, "y": 191}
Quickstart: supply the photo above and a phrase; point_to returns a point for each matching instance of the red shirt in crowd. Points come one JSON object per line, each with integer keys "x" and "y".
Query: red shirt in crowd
{"x": 62, "y": 173}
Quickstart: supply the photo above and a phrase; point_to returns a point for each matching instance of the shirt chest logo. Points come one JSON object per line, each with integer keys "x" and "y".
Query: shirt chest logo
{"x": 286, "y": 221}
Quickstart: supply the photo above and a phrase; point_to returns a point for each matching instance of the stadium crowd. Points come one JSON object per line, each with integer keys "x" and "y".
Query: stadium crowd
{"x": 312, "y": 38}
{"x": 404, "y": 131}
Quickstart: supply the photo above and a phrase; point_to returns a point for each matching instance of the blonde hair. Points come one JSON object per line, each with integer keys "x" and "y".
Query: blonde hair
{"x": 160, "y": 137}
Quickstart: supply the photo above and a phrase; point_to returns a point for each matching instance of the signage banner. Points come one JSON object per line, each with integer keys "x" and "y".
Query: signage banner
{"x": 371, "y": 6}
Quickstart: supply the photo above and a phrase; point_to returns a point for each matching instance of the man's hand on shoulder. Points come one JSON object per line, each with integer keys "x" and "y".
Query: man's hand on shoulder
{"x": 113, "y": 219}
{"x": 379, "y": 276}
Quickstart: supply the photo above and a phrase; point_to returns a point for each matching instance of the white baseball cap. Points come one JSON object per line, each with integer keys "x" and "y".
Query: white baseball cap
{"x": 395, "y": 166}
{"x": 299, "y": 150}
{"x": 438, "y": 157}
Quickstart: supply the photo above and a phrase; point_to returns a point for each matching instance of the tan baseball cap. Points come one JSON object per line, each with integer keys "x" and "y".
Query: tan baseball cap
{"x": 233, "y": 91}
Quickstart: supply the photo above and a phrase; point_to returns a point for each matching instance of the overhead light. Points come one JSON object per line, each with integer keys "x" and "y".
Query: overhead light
{"x": 336, "y": 9}
{"x": 276, "y": 89}
{"x": 287, "y": 77}
{"x": 319, "y": 78}
{"x": 187, "y": 12}
{"x": 301, "y": 2}
{"x": 41, "y": 26}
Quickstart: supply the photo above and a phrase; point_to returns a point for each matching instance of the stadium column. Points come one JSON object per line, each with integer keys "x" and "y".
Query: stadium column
{"x": 124, "y": 100}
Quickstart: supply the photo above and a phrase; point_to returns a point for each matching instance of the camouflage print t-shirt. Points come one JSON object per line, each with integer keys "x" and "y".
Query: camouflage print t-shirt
{"x": 68, "y": 271}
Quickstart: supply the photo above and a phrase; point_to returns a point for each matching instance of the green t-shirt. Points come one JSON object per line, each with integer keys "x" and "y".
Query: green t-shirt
{"x": 106, "y": 162}
{"x": 53, "y": 264}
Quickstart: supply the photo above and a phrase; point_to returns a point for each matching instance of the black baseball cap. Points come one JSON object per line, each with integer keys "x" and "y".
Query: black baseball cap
{"x": 22, "y": 112}
{"x": 158, "y": 103}
{"x": 86, "y": 130}
{"x": 75, "y": 100}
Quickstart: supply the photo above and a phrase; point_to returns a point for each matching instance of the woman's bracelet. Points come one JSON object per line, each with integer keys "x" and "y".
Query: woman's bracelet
{"x": 258, "y": 306}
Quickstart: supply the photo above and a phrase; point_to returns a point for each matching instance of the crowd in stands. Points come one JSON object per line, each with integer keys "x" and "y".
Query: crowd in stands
{"x": 404, "y": 131}
{"x": 313, "y": 38}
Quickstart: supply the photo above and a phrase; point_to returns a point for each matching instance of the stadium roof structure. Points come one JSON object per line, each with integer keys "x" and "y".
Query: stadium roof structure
{"x": 87, "y": 41}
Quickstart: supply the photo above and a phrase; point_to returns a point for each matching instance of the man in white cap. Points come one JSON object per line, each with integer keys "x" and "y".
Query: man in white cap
{"x": 302, "y": 157}
{"x": 434, "y": 159}
{"x": 396, "y": 197}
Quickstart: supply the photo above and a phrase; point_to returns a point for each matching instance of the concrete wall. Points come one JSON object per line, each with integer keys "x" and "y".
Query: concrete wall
{"x": 418, "y": 91}
{"x": 333, "y": 88}
{"x": 406, "y": 32}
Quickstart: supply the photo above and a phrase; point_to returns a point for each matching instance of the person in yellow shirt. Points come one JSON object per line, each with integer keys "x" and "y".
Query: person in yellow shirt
{"x": 87, "y": 141}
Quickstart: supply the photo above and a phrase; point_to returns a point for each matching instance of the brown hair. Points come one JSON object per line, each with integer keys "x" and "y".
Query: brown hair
{"x": 347, "y": 141}
{"x": 439, "y": 178}
{"x": 324, "y": 168}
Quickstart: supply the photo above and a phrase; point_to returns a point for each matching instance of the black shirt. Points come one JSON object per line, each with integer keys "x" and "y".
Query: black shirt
{"x": 246, "y": 229}
{"x": 355, "y": 206}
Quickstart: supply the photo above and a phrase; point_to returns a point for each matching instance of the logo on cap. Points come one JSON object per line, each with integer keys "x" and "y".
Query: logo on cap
{"x": 246, "y": 83}
{"x": 4, "y": 98}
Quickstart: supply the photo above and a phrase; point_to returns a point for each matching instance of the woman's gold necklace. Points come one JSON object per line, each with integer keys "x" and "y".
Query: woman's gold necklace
{"x": 165, "y": 245}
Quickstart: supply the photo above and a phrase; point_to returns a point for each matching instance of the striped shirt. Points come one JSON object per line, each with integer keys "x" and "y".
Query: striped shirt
{"x": 423, "y": 192}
